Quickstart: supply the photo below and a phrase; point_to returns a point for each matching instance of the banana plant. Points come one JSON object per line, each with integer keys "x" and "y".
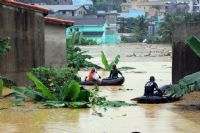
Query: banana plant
{"x": 105, "y": 61}
{"x": 187, "y": 84}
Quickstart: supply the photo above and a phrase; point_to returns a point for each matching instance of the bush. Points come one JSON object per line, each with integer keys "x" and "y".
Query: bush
{"x": 154, "y": 39}
{"x": 54, "y": 78}
{"x": 128, "y": 39}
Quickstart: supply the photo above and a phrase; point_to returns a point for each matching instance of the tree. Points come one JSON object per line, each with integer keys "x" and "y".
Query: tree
{"x": 138, "y": 26}
{"x": 166, "y": 27}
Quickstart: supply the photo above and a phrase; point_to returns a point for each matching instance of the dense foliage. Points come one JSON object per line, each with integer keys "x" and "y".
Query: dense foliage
{"x": 138, "y": 26}
{"x": 188, "y": 84}
{"x": 75, "y": 55}
{"x": 4, "y": 46}
{"x": 54, "y": 78}
{"x": 166, "y": 27}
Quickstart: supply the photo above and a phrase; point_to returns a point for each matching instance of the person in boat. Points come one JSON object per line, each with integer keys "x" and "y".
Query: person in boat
{"x": 114, "y": 72}
{"x": 93, "y": 76}
{"x": 150, "y": 86}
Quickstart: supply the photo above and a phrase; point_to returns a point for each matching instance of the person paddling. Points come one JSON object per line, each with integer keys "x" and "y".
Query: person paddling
{"x": 150, "y": 86}
{"x": 114, "y": 72}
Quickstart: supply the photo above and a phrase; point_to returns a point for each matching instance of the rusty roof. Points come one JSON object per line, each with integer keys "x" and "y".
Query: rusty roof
{"x": 21, "y": 4}
{"x": 60, "y": 21}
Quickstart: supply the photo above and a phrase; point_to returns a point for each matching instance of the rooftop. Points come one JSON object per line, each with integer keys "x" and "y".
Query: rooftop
{"x": 60, "y": 21}
{"x": 20, "y": 4}
{"x": 89, "y": 21}
{"x": 56, "y": 8}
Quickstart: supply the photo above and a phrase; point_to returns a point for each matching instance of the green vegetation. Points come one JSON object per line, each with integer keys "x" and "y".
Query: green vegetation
{"x": 194, "y": 44}
{"x": 166, "y": 27}
{"x": 75, "y": 55}
{"x": 105, "y": 61}
{"x": 138, "y": 26}
{"x": 70, "y": 95}
{"x": 4, "y": 46}
{"x": 188, "y": 84}
{"x": 80, "y": 40}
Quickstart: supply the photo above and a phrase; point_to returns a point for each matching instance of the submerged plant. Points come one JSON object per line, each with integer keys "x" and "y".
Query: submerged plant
{"x": 187, "y": 84}
{"x": 75, "y": 55}
{"x": 105, "y": 61}
{"x": 69, "y": 95}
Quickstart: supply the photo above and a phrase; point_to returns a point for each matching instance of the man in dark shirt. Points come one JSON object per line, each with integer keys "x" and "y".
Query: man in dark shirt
{"x": 114, "y": 72}
{"x": 150, "y": 86}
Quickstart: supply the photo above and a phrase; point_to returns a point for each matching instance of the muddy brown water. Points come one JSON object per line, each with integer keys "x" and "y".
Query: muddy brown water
{"x": 161, "y": 118}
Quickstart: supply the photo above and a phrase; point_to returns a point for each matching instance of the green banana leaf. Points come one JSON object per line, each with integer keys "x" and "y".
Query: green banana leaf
{"x": 1, "y": 87}
{"x": 64, "y": 89}
{"x": 72, "y": 91}
{"x": 194, "y": 44}
{"x": 105, "y": 61}
{"x": 187, "y": 84}
{"x": 29, "y": 92}
{"x": 116, "y": 61}
{"x": 41, "y": 87}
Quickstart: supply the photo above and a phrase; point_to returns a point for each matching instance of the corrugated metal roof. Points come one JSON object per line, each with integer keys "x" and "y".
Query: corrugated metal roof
{"x": 89, "y": 21}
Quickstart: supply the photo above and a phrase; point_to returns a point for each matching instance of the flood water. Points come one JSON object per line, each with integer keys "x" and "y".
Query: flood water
{"x": 161, "y": 118}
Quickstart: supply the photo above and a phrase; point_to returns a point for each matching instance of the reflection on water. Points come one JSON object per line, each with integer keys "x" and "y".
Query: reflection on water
{"x": 141, "y": 118}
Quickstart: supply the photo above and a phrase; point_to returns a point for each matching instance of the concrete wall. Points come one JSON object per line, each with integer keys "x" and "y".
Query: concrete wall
{"x": 25, "y": 27}
{"x": 184, "y": 60}
{"x": 55, "y": 45}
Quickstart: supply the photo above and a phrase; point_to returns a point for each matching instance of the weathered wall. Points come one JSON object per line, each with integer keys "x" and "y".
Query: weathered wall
{"x": 25, "y": 27}
{"x": 55, "y": 45}
{"x": 184, "y": 60}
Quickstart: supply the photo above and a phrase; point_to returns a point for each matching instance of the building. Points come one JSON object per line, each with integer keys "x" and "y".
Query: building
{"x": 86, "y": 3}
{"x": 91, "y": 28}
{"x": 151, "y": 8}
{"x": 194, "y": 6}
{"x": 95, "y": 29}
{"x": 107, "y": 5}
{"x": 66, "y": 10}
{"x": 177, "y": 6}
{"x": 55, "y": 42}
{"x": 47, "y": 2}
{"x": 110, "y": 17}
{"x": 27, "y": 39}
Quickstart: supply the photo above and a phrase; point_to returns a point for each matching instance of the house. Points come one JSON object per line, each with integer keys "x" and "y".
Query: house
{"x": 94, "y": 28}
{"x": 86, "y": 3}
{"x": 151, "y": 8}
{"x": 177, "y": 6}
{"x": 67, "y": 10}
{"x": 27, "y": 39}
{"x": 194, "y": 6}
{"x": 110, "y": 16}
{"x": 91, "y": 28}
{"x": 47, "y": 2}
{"x": 107, "y": 5}
{"x": 55, "y": 42}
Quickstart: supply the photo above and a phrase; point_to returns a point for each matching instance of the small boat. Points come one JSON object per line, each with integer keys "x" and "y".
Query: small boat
{"x": 153, "y": 99}
{"x": 105, "y": 82}
{"x": 156, "y": 98}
